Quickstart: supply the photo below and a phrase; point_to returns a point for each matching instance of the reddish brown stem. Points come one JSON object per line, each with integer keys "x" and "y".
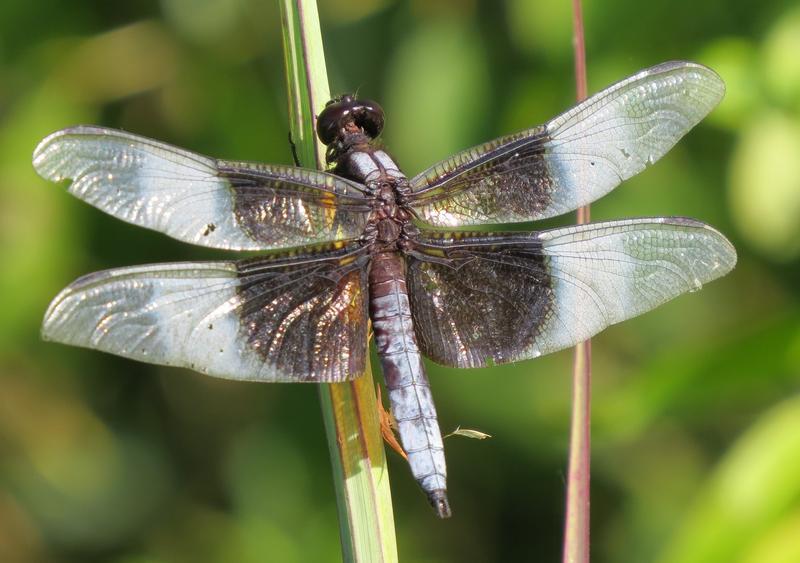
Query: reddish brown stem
{"x": 577, "y": 521}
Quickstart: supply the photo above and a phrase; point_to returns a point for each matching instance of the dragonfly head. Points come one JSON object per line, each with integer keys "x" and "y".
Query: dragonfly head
{"x": 347, "y": 110}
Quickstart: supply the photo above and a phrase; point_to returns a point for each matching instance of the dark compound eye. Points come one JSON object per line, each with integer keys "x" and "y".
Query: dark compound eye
{"x": 368, "y": 115}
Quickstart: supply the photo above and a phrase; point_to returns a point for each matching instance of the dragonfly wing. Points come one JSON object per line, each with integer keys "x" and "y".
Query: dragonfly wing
{"x": 200, "y": 200}
{"x": 483, "y": 299}
{"x": 281, "y": 318}
{"x": 574, "y": 159}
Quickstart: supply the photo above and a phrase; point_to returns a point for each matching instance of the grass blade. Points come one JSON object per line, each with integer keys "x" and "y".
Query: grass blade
{"x": 350, "y": 410}
{"x": 577, "y": 521}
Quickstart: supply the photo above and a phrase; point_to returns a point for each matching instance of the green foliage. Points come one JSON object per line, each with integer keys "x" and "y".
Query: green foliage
{"x": 696, "y": 410}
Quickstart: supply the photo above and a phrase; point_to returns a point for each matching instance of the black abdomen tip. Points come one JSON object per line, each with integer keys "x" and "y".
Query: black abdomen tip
{"x": 441, "y": 505}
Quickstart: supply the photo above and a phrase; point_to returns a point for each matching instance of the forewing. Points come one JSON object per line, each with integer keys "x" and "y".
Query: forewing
{"x": 478, "y": 300}
{"x": 574, "y": 159}
{"x": 200, "y": 200}
{"x": 283, "y": 318}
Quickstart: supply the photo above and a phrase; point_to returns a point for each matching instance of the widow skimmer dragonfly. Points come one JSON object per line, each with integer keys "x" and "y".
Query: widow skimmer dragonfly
{"x": 362, "y": 243}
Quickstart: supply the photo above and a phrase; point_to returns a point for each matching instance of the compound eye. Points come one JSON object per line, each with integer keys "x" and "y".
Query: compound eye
{"x": 328, "y": 121}
{"x": 370, "y": 117}
{"x": 366, "y": 114}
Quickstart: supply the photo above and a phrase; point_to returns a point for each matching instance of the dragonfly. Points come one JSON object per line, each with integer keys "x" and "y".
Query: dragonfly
{"x": 361, "y": 244}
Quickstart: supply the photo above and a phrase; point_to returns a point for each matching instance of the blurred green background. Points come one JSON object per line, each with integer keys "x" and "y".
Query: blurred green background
{"x": 696, "y": 405}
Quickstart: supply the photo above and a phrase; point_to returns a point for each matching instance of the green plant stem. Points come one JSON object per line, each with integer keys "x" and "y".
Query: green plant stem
{"x": 577, "y": 521}
{"x": 350, "y": 412}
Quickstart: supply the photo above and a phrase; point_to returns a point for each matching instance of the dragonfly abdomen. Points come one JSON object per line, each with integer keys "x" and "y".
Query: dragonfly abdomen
{"x": 406, "y": 382}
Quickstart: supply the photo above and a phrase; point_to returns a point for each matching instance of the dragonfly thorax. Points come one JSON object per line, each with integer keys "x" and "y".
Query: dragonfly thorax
{"x": 390, "y": 223}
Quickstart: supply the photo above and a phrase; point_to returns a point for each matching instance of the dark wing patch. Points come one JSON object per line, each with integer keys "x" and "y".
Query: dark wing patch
{"x": 308, "y": 321}
{"x": 294, "y": 206}
{"x": 478, "y": 300}
{"x": 575, "y": 158}
{"x": 278, "y": 318}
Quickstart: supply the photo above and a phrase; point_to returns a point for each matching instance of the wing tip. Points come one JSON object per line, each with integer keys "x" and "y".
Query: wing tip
{"x": 48, "y": 334}
{"x": 48, "y": 331}
{"x": 43, "y": 159}
{"x": 42, "y": 155}
{"x": 724, "y": 250}
{"x": 714, "y": 82}
{"x": 726, "y": 254}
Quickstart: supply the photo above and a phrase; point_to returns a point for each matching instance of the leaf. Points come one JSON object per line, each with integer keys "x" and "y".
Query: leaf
{"x": 755, "y": 486}
{"x": 469, "y": 433}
